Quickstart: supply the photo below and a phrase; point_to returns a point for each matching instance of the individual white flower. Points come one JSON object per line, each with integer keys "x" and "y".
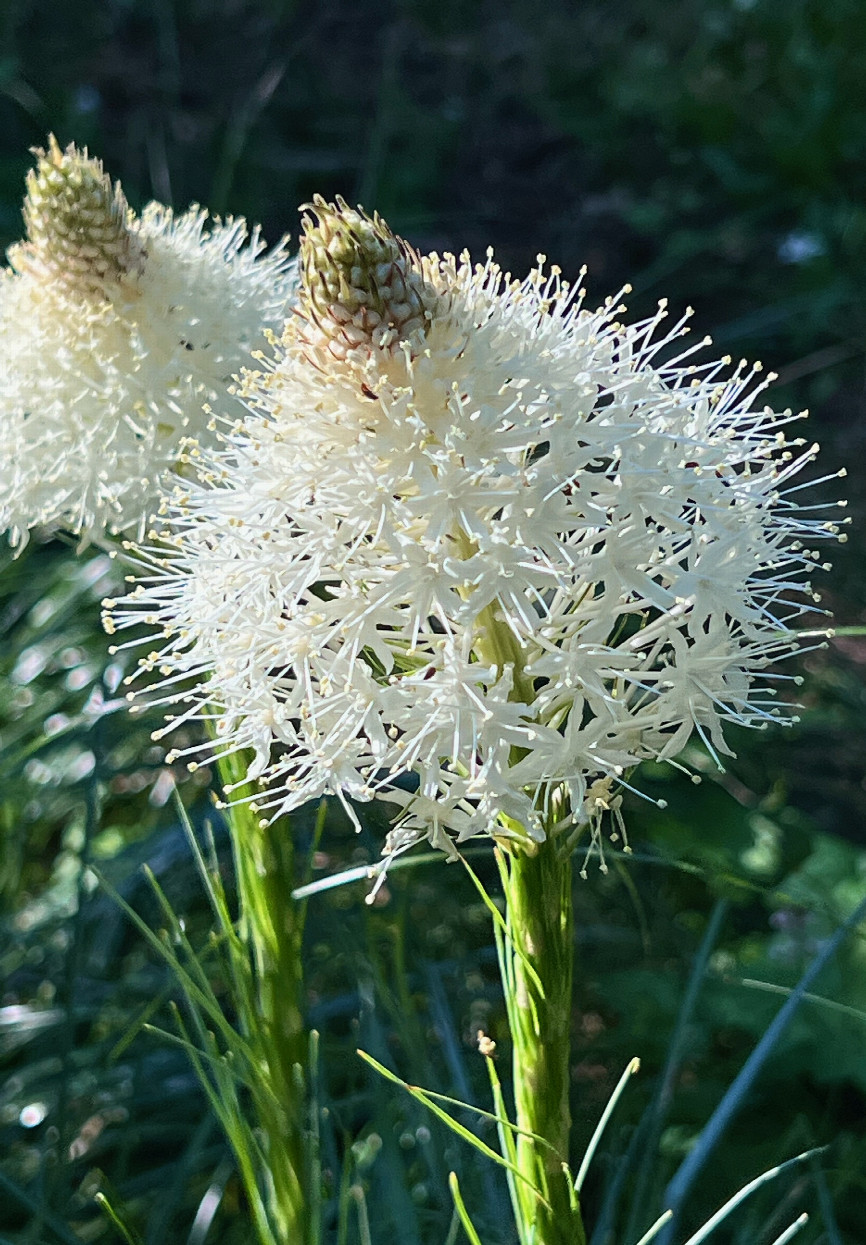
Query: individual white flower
{"x": 115, "y": 332}
{"x": 476, "y": 550}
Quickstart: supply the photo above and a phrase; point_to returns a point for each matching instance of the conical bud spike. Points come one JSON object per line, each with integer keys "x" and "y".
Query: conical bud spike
{"x": 79, "y": 225}
{"x": 361, "y": 285}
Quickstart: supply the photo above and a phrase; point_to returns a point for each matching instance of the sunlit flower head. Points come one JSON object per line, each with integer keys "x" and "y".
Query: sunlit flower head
{"x": 476, "y": 550}
{"x": 115, "y": 331}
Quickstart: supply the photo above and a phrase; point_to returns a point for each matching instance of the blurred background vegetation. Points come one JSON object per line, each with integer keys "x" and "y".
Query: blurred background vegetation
{"x": 712, "y": 152}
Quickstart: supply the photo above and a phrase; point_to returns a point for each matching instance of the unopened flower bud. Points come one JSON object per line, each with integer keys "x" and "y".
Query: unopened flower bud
{"x": 79, "y": 225}
{"x": 362, "y": 285}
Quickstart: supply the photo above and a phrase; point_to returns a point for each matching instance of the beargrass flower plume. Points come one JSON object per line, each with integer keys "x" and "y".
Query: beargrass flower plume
{"x": 116, "y": 330}
{"x": 476, "y": 549}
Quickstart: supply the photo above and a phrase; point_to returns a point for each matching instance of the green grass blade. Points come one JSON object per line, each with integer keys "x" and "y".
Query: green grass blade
{"x": 199, "y": 993}
{"x": 633, "y": 1067}
{"x": 125, "y": 1232}
{"x": 139, "y": 1023}
{"x": 313, "y": 1144}
{"x": 656, "y": 1228}
{"x": 363, "y": 1218}
{"x": 427, "y": 1100}
{"x": 215, "y": 1060}
{"x": 790, "y": 1233}
{"x": 500, "y": 1120}
{"x": 769, "y": 987}
{"x": 209, "y": 877}
{"x": 363, "y": 873}
{"x": 460, "y": 1207}
{"x": 501, "y": 924}
{"x": 453, "y": 1228}
{"x": 740, "y": 1196}
{"x": 679, "y": 1186}
{"x": 506, "y": 1135}
{"x": 227, "y": 1108}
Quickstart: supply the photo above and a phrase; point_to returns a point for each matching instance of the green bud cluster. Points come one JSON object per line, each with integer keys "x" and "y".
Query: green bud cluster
{"x": 362, "y": 285}
{"x": 79, "y": 225}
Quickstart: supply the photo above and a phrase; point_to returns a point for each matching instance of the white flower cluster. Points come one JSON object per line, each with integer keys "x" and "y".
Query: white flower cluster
{"x": 115, "y": 332}
{"x": 481, "y": 572}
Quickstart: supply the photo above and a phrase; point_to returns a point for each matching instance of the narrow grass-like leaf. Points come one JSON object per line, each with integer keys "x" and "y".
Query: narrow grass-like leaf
{"x": 209, "y": 877}
{"x": 363, "y": 1217}
{"x": 312, "y": 1143}
{"x": 140, "y": 1022}
{"x": 643, "y": 1148}
{"x": 633, "y": 1067}
{"x": 656, "y": 1228}
{"x": 505, "y": 1129}
{"x": 364, "y": 873}
{"x": 769, "y": 987}
{"x": 459, "y": 1206}
{"x": 790, "y": 1233}
{"x": 242, "y": 1139}
{"x": 102, "y": 1201}
{"x": 198, "y": 992}
{"x": 215, "y": 1060}
{"x": 722, "y": 1213}
{"x": 422, "y": 1096}
{"x": 501, "y": 1120}
{"x": 506, "y": 968}
{"x": 177, "y": 931}
{"x": 499, "y": 919}
{"x": 236, "y": 954}
{"x": 504, "y": 1125}
{"x": 209, "y": 1204}
{"x": 453, "y": 1228}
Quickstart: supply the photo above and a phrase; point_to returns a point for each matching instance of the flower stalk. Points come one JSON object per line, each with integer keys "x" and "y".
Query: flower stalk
{"x": 271, "y": 927}
{"x": 536, "y": 960}
{"x": 537, "y": 971}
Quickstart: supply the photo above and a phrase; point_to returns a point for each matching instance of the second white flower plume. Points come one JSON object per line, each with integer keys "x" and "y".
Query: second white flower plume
{"x": 116, "y": 331}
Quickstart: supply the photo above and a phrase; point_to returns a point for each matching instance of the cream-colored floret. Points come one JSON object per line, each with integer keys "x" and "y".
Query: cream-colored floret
{"x": 482, "y": 571}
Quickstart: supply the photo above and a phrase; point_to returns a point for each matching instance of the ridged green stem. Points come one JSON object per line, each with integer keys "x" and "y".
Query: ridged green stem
{"x": 537, "y": 968}
{"x": 539, "y": 918}
{"x": 272, "y": 927}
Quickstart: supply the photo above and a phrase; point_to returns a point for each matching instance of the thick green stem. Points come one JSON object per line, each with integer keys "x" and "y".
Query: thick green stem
{"x": 538, "y": 991}
{"x": 537, "y": 969}
{"x": 272, "y": 927}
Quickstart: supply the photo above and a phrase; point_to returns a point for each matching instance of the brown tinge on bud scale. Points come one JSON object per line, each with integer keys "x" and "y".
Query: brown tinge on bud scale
{"x": 79, "y": 225}
{"x": 361, "y": 285}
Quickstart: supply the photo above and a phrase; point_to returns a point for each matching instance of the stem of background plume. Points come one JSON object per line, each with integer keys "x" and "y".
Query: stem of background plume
{"x": 272, "y": 927}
